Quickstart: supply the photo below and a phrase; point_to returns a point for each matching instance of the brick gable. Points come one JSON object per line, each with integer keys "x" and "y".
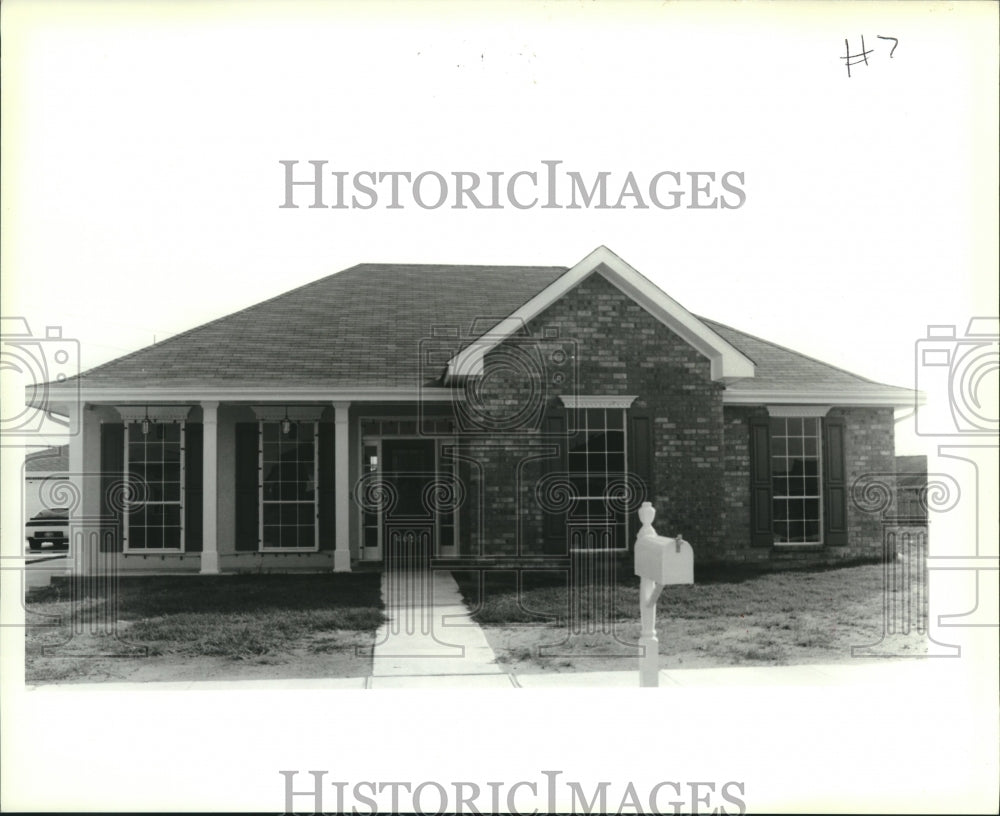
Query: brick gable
{"x": 620, "y": 350}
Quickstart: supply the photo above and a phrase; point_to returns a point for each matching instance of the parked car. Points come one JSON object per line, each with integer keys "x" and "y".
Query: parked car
{"x": 49, "y": 528}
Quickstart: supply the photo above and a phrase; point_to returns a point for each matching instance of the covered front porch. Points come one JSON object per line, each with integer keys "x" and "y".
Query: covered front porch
{"x": 239, "y": 482}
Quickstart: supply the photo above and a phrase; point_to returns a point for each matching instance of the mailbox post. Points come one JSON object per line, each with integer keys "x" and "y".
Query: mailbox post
{"x": 659, "y": 561}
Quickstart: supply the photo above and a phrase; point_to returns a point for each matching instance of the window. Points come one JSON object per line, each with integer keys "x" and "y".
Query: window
{"x": 371, "y": 518}
{"x": 796, "y": 465}
{"x": 798, "y": 478}
{"x": 597, "y": 470}
{"x": 288, "y": 496}
{"x": 154, "y": 471}
{"x": 371, "y": 427}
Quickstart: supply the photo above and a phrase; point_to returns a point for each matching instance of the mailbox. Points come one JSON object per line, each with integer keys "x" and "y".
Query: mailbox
{"x": 664, "y": 560}
{"x": 659, "y": 562}
{"x": 661, "y": 559}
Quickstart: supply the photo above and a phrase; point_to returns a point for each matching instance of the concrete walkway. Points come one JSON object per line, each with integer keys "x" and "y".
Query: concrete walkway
{"x": 933, "y": 677}
{"x": 429, "y": 634}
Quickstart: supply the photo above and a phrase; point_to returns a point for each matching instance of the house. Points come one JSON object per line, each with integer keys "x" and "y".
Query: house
{"x": 473, "y": 415}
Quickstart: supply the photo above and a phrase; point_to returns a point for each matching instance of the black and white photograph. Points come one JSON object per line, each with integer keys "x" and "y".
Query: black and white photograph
{"x": 578, "y": 407}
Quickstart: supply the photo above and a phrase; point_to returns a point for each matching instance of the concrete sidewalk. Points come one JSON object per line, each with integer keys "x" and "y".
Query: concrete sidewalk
{"x": 933, "y": 675}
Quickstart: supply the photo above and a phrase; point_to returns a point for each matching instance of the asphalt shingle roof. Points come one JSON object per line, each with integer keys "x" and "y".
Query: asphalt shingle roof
{"x": 782, "y": 369}
{"x": 357, "y": 328}
{"x": 362, "y": 328}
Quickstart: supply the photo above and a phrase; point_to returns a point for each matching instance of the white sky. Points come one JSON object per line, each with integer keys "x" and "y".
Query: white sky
{"x": 141, "y": 143}
{"x": 142, "y": 181}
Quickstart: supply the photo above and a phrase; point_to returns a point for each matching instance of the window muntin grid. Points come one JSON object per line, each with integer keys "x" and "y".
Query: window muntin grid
{"x": 597, "y": 458}
{"x": 287, "y": 486}
{"x": 796, "y": 488}
{"x": 381, "y": 427}
{"x": 154, "y": 476}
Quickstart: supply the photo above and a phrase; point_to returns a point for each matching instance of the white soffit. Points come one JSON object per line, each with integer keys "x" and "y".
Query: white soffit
{"x": 728, "y": 363}
{"x": 876, "y": 398}
{"x": 62, "y": 399}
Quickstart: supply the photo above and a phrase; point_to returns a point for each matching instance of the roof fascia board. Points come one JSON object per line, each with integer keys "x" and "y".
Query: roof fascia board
{"x": 895, "y": 398}
{"x": 727, "y": 362}
{"x": 244, "y": 394}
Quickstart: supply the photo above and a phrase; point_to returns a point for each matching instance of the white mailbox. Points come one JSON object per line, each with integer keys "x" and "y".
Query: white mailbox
{"x": 659, "y": 561}
{"x": 659, "y": 558}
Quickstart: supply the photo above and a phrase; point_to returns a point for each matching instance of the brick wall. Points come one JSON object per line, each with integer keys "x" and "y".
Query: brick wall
{"x": 736, "y": 487}
{"x": 618, "y": 349}
{"x": 869, "y": 450}
{"x": 701, "y": 458}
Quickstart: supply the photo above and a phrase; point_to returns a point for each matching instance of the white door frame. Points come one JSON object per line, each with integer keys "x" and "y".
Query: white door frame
{"x": 377, "y": 552}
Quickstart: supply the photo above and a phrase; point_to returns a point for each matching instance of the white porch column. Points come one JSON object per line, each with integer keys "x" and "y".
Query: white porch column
{"x": 85, "y": 476}
{"x": 77, "y": 561}
{"x": 342, "y": 489}
{"x": 210, "y": 488}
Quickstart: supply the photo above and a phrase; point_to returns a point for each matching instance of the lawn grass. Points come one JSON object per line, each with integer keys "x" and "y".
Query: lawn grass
{"x": 233, "y": 617}
{"x": 725, "y": 619}
{"x": 545, "y": 595}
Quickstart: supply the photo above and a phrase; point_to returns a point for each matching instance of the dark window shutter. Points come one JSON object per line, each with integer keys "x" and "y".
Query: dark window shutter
{"x": 112, "y": 475}
{"x": 761, "y": 526}
{"x": 193, "y": 485}
{"x": 834, "y": 483}
{"x": 247, "y": 497}
{"x": 327, "y": 485}
{"x": 640, "y": 457}
{"x": 553, "y": 523}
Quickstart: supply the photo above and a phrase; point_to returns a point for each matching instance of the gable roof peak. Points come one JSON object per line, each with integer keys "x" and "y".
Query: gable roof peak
{"x": 727, "y": 362}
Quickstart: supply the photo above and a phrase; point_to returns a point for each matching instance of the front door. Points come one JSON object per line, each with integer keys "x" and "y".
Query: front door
{"x": 408, "y": 523}
{"x": 415, "y": 518}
